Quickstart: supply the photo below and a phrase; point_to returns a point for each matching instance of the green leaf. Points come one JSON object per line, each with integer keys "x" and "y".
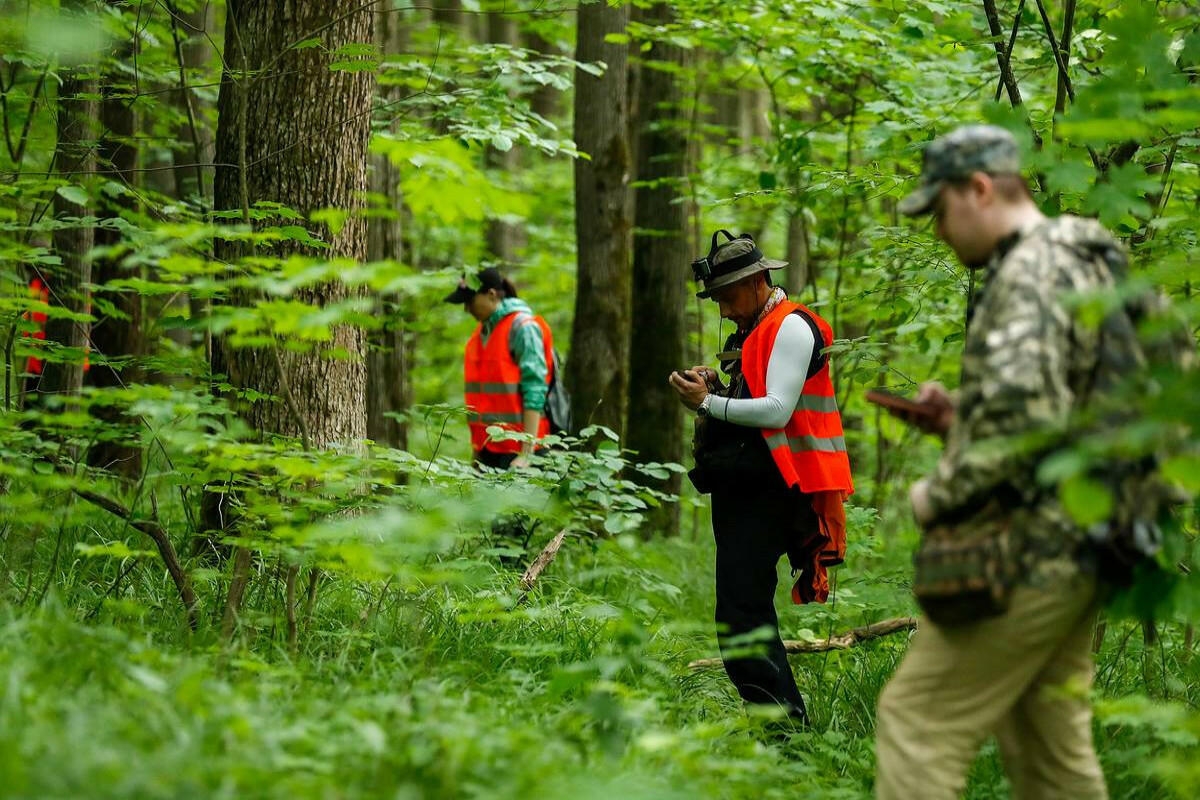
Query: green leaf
{"x": 334, "y": 218}
{"x": 358, "y": 65}
{"x": 502, "y": 142}
{"x": 73, "y": 194}
{"x": 1183, "y": 470}
{"x": 1070, "y": 176}
{"x": 109, "y": 550}
{"x": 1087, "y": 501}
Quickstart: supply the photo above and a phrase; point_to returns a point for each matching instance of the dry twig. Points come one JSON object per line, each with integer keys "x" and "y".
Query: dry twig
{"x": 842, "y": 641}
{"x": 540, "y": 563}
{"x": 166, "y": 550}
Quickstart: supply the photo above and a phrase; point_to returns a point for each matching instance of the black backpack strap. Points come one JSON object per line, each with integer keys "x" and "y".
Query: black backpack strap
{"x": 819, "y": 359}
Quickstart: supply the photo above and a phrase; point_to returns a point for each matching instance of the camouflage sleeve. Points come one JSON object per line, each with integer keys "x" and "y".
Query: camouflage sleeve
{"x": 1015, "y": 391}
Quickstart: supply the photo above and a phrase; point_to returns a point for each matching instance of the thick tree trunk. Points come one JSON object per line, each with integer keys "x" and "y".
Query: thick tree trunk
{"x": 76, "y": 138}
{"x": 660, "y": 264}
{"x": 597, "y": 371}
{"x": 298, "y": 133}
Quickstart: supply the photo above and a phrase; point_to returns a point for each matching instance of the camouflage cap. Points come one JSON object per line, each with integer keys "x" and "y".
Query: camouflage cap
{"x": 971, "y": 148}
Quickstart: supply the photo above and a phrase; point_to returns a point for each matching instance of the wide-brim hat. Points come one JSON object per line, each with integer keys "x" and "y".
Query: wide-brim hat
{"x": 734, "y": 261}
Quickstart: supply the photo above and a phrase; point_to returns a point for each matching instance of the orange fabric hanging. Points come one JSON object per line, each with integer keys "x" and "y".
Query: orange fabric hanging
{"x": 824, "y": 548}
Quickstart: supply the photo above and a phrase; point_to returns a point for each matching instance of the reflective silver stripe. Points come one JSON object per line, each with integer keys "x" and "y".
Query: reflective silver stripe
{"x": 816, "y": 402}
{"x": 801, "y": 444}
{"x": 496, "y": 417}
{"x": 492, "y": 388}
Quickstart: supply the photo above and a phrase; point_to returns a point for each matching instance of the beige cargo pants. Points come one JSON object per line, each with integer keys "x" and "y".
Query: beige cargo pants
{"x": 1023, "y": 676}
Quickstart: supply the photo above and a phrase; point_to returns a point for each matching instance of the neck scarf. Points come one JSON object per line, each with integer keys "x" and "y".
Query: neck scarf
{"x": 777, "y": 296}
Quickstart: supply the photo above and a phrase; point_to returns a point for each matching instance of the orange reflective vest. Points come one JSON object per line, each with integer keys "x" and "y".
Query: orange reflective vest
{"x": 810, "y": 450}
{"x": 493, "y": 384}
{"x": 39, "y": 291}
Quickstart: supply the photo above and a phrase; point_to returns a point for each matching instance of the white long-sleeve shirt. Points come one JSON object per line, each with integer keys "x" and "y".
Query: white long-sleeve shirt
{"x": 787, "y": 371}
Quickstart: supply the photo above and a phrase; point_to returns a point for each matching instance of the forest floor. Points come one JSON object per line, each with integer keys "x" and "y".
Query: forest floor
{"x": 446, "y": 688}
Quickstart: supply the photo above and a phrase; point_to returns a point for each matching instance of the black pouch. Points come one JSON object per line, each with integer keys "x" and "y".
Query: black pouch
{"x": 1119, "y": 550}
{"x": 729, "y": 456}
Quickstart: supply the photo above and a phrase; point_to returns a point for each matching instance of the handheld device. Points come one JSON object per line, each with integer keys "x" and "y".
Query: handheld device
{"x": 900, "y": 404}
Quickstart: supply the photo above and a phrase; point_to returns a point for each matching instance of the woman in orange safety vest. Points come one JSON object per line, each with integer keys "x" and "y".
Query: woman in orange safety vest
{"x": 506, "y": 369}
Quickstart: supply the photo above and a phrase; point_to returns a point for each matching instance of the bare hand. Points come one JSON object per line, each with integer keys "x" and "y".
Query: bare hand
{"x": 519, "y": 462}
{"x": 691, "y": 385}
{"x": 918, "y": 496}
{"x": 942, "y": 409}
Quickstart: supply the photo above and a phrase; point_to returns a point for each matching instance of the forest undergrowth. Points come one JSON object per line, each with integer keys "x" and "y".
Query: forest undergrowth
{"x": 451, "y": 681}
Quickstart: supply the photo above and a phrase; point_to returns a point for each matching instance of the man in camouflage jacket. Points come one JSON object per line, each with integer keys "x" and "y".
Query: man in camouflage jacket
{"x": 1022, "y": 674}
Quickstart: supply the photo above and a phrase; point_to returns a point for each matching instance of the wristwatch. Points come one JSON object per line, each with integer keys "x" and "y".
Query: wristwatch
{"x": 702, "y": 409}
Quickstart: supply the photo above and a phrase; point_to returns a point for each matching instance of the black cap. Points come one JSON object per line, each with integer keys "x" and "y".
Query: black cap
{"x": 489, "y": 278}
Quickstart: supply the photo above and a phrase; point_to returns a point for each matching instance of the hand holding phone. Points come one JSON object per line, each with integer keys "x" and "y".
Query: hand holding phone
{"x": 932, "y": 411}
{"x": 899, "y": 403}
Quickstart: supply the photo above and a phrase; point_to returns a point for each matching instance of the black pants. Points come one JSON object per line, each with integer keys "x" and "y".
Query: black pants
{"x": 754, "y": 527}
{"x": 490, "y": 458}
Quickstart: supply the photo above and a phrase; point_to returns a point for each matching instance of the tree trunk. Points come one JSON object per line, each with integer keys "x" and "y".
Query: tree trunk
{"x": 660, "y": 264}
{"x": 76, "y": 138}
{"x": 797, "y": 252}
{"x": 389, "y": 383}
{"x": 546, "y": 100}
{"x": 754, "y": 125}
{"x": 120, "y": 335}
{"x": 503, "y": 239}
{"x": 296, "y": 133}
{"x": 299, "y": 132}
{"x": 596, "y": 371}
{"x": 193, "y": 147}
{"x": 450, "y": 14}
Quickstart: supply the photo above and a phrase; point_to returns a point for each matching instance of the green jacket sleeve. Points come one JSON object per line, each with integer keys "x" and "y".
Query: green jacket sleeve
{"x": 529, "y": 351}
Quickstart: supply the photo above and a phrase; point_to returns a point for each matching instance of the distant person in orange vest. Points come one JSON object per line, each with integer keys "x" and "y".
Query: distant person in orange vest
{"x": 38, "y": 291}
{"x": 770, "y": 450}
{"x": 506, "y": 369}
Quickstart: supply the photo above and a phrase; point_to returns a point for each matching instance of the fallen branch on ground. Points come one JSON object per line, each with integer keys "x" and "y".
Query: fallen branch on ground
{"x": 842, "y": 641}
{"x": 540, "y": 563}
